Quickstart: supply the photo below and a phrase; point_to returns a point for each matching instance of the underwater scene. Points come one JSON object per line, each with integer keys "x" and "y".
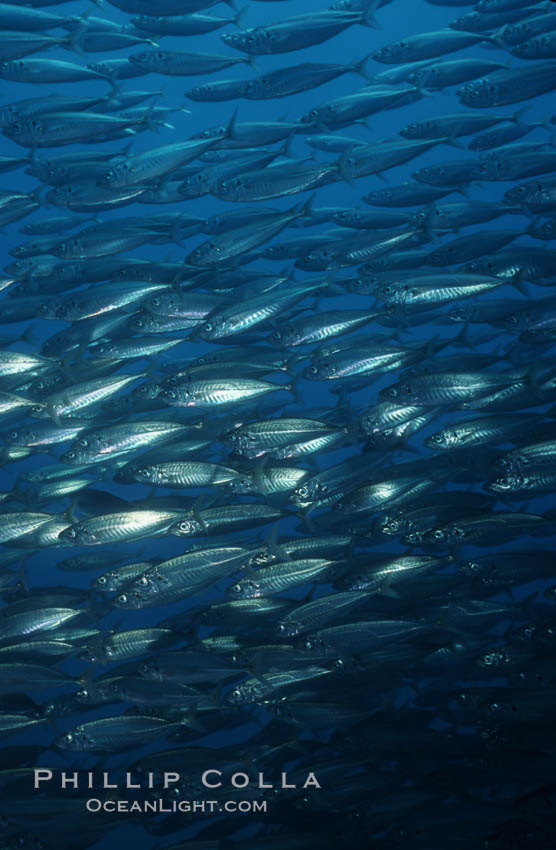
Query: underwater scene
{"x": 278, "y": 425}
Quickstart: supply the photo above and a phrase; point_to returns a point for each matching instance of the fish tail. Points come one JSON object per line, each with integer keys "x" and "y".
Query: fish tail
{"x": 360, "y": 67}
{"x": 239, "y": 17}
{"x": 518, "y": 114}
{"x": 368, "y": 15}
{"x": 252, "y": 62}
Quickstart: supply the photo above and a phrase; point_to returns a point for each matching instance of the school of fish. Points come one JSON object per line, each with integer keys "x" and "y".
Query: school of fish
{"x": 278, "y": 478}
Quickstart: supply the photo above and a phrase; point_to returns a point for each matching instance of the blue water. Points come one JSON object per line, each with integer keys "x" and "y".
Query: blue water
{"x": 396, "y": 20}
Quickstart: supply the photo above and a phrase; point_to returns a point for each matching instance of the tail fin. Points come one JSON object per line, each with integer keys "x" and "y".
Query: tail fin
{"x": 230, "y": 128}
{"x": 368, "y": 15}
{"x": 74, "y": 40}
{"x": 238, "y": 19}
{"x": 518, "y": 114}
{"x": 147, "y": 118}
{"x": 250, "y": 60}
{"x": 286, "y": 148}
{"x": 360, "y": 67}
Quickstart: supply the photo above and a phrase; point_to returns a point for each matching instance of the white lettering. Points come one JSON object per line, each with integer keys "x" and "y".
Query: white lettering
{"x": 206, "y": 783}
{"x": 240, "y": 780}
{"x": 170, "y": 777}
{"x": 42, "y": 775}
{"x": 311, "y": 781}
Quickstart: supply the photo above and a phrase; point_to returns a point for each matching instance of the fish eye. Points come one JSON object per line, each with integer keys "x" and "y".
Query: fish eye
{"x": 71, "y": 533}
{"x": 102, "y": 580}
{"x": 68, "y": 738}
{"x": 143, "y": 581}
{"x": 236, "y": 588}
{"x": 14, "y": 435}
{"x": 83, "y": 442}
{"x": 122, "y": 599}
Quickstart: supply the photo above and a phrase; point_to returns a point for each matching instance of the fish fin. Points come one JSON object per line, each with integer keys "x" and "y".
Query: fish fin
{"x": 518, "y": 114}
{"x": 427, "y": 224}
{"x": 307, "y": 521}
{"x": 454, "y": 142}
{"x": 148, "y": 118}
{"x": 230, "y": 128}
{"x": 258, "y": 476}
{"x": 257, "y": 668}
{"x": 518, "y": 281}
{"x": 462, "y": 338}
{"x": 252, "y": 62}
{"x": 86, "y": 680}
{"x": 274, "y": 548}
{"x": 360, "y": 67}
{"x": 238, "y": 18}
{"x": 286, "y": 148}
{"x": 343, "y": 168}
{"x": 306, "y": 210}
{"x": 74, "y": 41}
{"x": 53, "y": 414}
{"x": 368, "y": 15}
{"x": 190, "y": 721}
{"x": 493, "y": 41}
{"x": 70, "y": 514}
{"x": 22, "y": 575}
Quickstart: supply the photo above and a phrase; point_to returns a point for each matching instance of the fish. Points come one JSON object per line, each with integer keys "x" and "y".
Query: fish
{"x": 298, "y": 32}
{"x": 278, "y": 400}
{"x": 240, "y": 240}
{"x": 508, "y": 86}
{"x": 428, "y": 45}
{"x": 47, "y": 71}
{"x": 115, "y": 733}
{"x": 298, "y": 78}
{"x": 179, "y": 63}
{"x": 115, "y": 527}
{"x": 180, "y": 577}
{"x": 189, "y": 24}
